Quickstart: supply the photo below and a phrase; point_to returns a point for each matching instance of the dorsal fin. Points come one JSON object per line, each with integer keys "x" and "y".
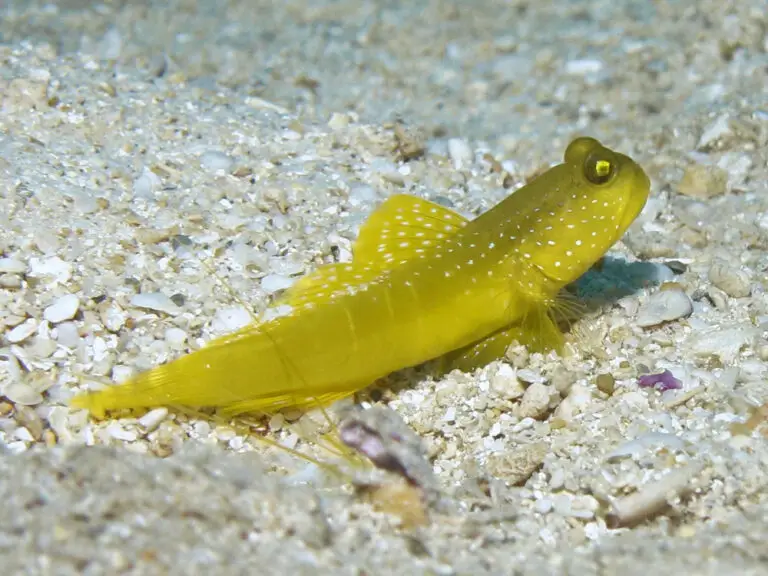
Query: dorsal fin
{"x": 402, "y": 228}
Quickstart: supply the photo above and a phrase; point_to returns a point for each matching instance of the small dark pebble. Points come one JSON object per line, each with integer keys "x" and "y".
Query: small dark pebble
{"x": 606, "y": 383}
{"x": 443, "y": 201}
{"x": 180, "y": 240}
{"x": 676, "y": 266}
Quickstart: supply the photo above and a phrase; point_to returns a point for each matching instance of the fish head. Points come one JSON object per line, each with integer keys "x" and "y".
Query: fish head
{"x": 585, "y": 206}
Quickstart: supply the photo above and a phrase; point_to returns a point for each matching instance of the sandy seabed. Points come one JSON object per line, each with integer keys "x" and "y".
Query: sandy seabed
{"x": 145, "y": 145}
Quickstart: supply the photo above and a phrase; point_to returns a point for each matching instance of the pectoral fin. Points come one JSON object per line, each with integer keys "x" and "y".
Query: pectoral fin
{"x": 538, "y": 332}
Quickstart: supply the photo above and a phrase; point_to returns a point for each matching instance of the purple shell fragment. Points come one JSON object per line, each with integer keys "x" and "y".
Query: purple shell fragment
{"x": 662, "y": 382}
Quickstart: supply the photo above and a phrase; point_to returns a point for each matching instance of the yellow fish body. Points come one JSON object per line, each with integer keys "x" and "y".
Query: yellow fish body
{"x": 424, "y": 282}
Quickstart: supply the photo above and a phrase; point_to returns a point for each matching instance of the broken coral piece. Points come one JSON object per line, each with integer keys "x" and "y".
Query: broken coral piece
{"x": 662, "y": 382}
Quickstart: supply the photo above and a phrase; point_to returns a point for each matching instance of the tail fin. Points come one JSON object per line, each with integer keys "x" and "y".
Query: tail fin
{"x": 243, "y": 371}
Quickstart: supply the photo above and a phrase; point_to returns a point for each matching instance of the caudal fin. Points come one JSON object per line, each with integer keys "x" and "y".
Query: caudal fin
{"x": 242, "y": 372}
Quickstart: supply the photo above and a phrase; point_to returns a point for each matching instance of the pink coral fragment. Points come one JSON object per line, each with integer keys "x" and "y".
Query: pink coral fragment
{"x": 662, "y": 382}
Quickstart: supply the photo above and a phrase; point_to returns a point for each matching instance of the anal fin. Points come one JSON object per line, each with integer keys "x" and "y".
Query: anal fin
{"x": 480, "y": 353}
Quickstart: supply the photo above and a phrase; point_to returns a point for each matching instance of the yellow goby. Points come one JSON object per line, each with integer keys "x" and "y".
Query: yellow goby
{"x": 424, "y": 282}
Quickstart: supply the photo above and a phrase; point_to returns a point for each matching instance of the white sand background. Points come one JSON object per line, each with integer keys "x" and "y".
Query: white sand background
{"x": 138, "y": 139}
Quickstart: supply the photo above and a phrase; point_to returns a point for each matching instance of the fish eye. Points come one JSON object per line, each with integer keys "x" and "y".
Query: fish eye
{"x": 599, "y": 169}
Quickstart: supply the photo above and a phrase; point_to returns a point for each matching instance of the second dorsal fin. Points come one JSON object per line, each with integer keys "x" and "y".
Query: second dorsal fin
{"x": 328, "y": 282}
{"x": 402, "y": 228}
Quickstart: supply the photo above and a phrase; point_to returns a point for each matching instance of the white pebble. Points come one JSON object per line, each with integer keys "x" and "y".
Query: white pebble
{"x": 583, "y": 67}
{"x": 530, "y": 376}
{"x": 535, "y": 401}
{"x": 236, "y": 443}
{"x": 718, "y": 130}
{"x": 12, "y": 281}
{"x": 738, "y": 167}
{"x": 450, "y": 414}
{"x": 176, "y": 337}
{"x": 121, "y": 373}
{"x": 111, "y": 45}
{"x": 338, "y": 121}
{"x": 146, "y": 184}
{"x": 285, "y": 267}
{"x": 725, "y": 343}
{"x": 41, "y": 347}
{"x": 54, "y": 268}
{"x": 17, "y": 447}
{"x": 272, "y": 283}
{"x": 156, "y": 301}
{"x": 557, "y": 479}
{"x": 505, "y": 383}
{"x": 276, "y": 312}
{"x": 276, "y": 422}
{"x": 578, "y": 399}
{"x": 524, "y": 424}
{"x": 543, "y": 505}
{"x": 460, "y": 153}
{"x": 152, "y": 419}
{"x": 561, "y": 504}
{"x": 85, "y": 203}
{"x": 224, "y": 433}
{"x": 653, "y": 208}
{"x": 202, "y": 429}
{"x": 116, "y": 431}
{"x": 642, "y": 445}
{"x": 59, "y": 421}
{"x": 22, "y": 331}
{"x": 229, "y": 319}
{"x": 11, "y": 266}
{"x": 761, "y": 221}
{"x": 67, "y": 334}
{"x": 215, "y": 161}
{"x": 113, "y": 318}
{"x": 388, "y": 171}
{"x": 733, "y": 281}
{"x": 363, "y": 195}
{"x": 63, "y": 309}
{"x": 664, "y": 306}
{"x": 21, "y": 393}
{"x": 23, "y": 434}
{"x": 584, "y": 507}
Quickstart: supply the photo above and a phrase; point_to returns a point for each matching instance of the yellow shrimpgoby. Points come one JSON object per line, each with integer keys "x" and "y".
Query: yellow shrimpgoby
{"x": 424, "y": 282}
